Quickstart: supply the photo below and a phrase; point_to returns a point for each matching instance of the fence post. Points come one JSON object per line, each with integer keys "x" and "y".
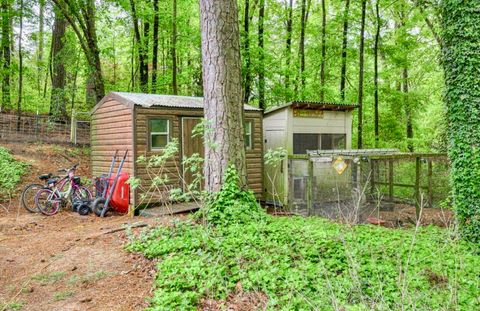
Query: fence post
{"x": 310, "y": 187}
{"x": 430, "y": 183}
{"x": 390, "y": 180}
{"x": 73, "y": 132}
{"x": 417, "y": 187}
{"x": 288, "y": 188}
{"x": 372, "y": 176}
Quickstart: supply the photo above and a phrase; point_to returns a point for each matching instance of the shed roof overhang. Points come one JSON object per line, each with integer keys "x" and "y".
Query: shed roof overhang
{"x": 314, "y": 106}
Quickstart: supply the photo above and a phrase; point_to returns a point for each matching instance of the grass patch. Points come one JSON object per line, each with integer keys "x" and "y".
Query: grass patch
{"x": 49, "y": 278}
{"x": 12, "y": 306}
{"x": 58, "y": 296}
{"x": 11, "y": 171}
{"x": 305, "y": 263}
{"x": 89, "y": 277}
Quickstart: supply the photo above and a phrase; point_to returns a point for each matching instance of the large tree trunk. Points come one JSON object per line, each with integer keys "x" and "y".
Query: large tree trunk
{"x": 58, "y": 100}
{"x": 324, "y": 52}
{"x": 6, "y": 38}
{"x": 155, "y": 46}
{"x": 261, "y": 57}
{"x": 375, "y": 75}
{"x": 222, "y": 88}
{"x": 174, "y": 49}
{"x": 246, "y": 49}
{"x": 360, "y": 77}
{"x": 288, "y": 45}
{"x": 301, "y": 47}
{"x": 461, "y": 37}
{"x": 343, "y": 74}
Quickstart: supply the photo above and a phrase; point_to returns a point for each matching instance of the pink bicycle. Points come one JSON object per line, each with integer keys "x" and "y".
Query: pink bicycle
{"x": 49, "y": 199}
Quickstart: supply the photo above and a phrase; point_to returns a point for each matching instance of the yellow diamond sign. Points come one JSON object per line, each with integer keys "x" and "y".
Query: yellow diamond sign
{"x": 340, "y": 165}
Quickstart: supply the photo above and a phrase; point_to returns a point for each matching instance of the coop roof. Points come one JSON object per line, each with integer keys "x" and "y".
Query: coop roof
{"x": 156, "y": 100}
{"x": 314, "y": 105}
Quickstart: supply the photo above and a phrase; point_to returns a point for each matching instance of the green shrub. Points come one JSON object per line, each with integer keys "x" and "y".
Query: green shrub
{"x": 11, "y": 171}
{"x": 232, "y": 205}
{"x": 311, "y": 263}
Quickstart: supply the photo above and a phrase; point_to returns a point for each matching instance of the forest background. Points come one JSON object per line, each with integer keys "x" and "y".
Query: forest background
{"x": 61, "y": 55}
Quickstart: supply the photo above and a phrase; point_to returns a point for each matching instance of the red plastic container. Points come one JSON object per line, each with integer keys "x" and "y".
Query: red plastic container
{"x": 121, "y": 194}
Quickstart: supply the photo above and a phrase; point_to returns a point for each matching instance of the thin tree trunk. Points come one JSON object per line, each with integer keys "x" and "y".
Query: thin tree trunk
{"x": 360, "y": 77}
{"x": 246, "y": 48}
{"x": 288, "y": 44}
{"x": 6, "y": 38}
{"x": 155, "y": 46}
{"x": 375, "y": 79}
{"x": 58, "y": 99}
{"x": 301, "y": 48}
{"x": 174, "y": 49}
{"x": 222, "y": 88}
{"x": 343, "y": 74}
{"x": 142, "y": 63}
{"x": 408, "y": 110}
{"x": 261, "y": 57}
{"x": 145, "y": 48}
{"x": 20, "y": 67}
{"x": 41, "y": 24}
{"x": 324, "y": 52}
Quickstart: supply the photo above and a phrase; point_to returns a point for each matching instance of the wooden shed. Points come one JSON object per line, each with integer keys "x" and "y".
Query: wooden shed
{"x": 300, "y": 126}
{"x": 145, "y": 123}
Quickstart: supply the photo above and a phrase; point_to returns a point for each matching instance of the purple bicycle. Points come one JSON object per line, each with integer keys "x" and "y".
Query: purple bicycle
{"x": 49, "y": 199}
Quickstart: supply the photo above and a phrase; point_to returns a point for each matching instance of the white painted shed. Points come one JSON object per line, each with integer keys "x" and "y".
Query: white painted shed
{"x": 300, "y": 126}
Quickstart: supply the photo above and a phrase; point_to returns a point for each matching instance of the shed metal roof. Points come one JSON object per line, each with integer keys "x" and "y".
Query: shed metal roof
{"x": 314, "y": 104}
{"x": 156, "y": 100}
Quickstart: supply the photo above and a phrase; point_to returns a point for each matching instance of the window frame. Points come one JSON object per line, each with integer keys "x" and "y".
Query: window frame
{"x": 320, "y": 139}
{"x": 250, "y": 145}
{"x": 150, "y": 133}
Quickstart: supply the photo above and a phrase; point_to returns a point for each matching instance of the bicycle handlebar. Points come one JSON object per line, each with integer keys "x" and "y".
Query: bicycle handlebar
{"x": 65, "y": 170}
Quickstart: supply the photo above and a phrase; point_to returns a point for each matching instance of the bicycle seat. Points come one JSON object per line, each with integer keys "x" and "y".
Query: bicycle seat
{"x": 45, "y": 176}
{"x": 52, "y": 181}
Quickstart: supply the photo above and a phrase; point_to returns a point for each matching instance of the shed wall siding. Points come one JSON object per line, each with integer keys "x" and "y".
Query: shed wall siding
{"x": 173, "y": 168}
{"x": 111, "y": 129}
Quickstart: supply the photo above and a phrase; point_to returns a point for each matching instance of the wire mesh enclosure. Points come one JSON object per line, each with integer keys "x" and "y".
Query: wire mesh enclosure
{"x": 352, "y": 185}
{"x": 42, "y": 128}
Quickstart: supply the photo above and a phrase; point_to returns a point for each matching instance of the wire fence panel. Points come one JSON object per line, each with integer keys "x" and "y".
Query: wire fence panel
{"x": 42, "y": 128}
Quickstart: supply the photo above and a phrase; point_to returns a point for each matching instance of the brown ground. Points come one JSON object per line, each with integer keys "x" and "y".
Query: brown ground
{"x": 64, "y": 262}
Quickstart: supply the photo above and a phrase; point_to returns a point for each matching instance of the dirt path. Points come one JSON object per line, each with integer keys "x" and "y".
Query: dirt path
{"x": 64, "y": 262}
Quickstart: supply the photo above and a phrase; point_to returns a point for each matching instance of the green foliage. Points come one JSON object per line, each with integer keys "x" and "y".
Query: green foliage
{"x": 232, "y": 204}
{"x": 461, "y": 60}
{"x": 11, "y": 171}
{"x": 310, "y": 263}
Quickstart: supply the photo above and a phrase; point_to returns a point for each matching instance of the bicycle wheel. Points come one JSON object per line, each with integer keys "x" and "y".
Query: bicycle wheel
{"x": 47, "y": 202}
{"x": 81, "y": 193}
{"x": 27, "y": 199}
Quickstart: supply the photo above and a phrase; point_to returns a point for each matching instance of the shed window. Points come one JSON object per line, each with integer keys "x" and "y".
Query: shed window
{"x": 248, "y": 135}
{"x": 159, "y": 133}
{"x": 304, "y": 142}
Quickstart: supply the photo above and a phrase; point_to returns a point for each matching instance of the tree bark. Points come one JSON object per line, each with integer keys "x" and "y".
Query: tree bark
{"x": 408, "y": 110}
{"x": 375, "y": 78}
{"x": 301, "y": 47}
{"x": 58, "y": 99}
{"x": 246, "y": 49}
{"x": 6, "y": 57}
{"x": 324, "y": 52}
{"x": 343, "y": 74}
{"x": 155, "y": 46}
{"x": 360, "y": 77}
{"x": 261, "y": 57}
{"x": 174, "y": 49}
{"x": 222, "y": 88}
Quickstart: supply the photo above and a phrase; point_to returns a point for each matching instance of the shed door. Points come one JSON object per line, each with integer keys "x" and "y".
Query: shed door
{"x": 190, "y": 145}
{"x": 274, "y": 178}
